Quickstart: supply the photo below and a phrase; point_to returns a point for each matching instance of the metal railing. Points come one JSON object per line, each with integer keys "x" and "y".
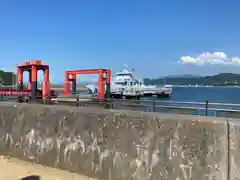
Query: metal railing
{"x": 177, "y": 107}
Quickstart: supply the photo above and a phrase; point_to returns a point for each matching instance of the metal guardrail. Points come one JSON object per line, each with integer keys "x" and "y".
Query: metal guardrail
{"x": 176, "y": 107}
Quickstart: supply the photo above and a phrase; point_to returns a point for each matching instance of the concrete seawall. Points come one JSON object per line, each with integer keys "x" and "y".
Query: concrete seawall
{"x": 122, "y": 145}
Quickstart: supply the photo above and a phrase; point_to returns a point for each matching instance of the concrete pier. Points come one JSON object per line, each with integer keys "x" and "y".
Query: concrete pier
{"x": 121, "y": 145}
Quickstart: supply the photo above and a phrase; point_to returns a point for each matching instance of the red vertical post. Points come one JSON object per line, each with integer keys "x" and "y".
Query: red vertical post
{"x": 66, "y": 84}
{"x": 100, "y": 85}
{"x": 108, "y": 76}
{"x": 45, "y": 88}
{"x": 19, "y": 78}
{"x": 34, "y": 81}
{"x": 108, "y": 81}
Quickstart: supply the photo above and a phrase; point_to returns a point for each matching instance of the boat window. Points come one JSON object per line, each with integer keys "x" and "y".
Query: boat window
{"x": 121, "y": 83}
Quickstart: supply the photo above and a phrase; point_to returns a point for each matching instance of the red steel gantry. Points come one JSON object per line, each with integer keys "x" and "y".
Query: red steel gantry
{"x": 101, "y": 80}
{"x": 32, "y": 67}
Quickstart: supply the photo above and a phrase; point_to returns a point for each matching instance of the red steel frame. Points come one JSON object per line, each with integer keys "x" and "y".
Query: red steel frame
{"x": 32, "y": 67}
{"x": 101, "y": 79}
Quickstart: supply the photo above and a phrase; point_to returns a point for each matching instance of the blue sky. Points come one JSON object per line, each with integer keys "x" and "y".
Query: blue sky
{"x": 156, "y": 38}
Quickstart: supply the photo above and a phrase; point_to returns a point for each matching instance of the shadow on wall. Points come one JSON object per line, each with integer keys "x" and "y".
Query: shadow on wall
{"x": 31, "y": 178}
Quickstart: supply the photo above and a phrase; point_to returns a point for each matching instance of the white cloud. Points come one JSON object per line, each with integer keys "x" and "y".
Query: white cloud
{"x": 210, "y": 58}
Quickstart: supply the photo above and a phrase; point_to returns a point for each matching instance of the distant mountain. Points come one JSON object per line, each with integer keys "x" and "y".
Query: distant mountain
{"x": 182, "y": 76}
{"x": 223, "y": 79}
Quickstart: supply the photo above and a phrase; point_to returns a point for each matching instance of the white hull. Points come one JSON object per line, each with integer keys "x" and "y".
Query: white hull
{"x": 141, "y": 90}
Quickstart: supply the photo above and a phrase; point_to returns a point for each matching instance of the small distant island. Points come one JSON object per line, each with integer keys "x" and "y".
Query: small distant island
{"x": 222, "y": 79}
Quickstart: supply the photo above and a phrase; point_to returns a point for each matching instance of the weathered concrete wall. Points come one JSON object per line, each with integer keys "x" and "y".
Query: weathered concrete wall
{"x": 234, "y": 148}
{"x": 117, "y": 145}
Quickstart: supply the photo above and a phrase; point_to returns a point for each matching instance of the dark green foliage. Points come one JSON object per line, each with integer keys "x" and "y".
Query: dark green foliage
{"x": 7, "y": 78}
{"x": 223, "y": 79}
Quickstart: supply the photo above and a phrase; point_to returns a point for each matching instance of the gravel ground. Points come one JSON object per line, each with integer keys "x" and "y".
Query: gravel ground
{"x": 14, "y": 169}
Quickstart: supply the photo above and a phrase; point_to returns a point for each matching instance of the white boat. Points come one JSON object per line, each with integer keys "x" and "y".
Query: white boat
{"x": 125, "y": 84}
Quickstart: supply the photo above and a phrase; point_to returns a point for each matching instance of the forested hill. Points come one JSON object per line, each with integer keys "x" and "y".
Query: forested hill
{"x": 223, "y": 79}
{"x": 7, "y": 78}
